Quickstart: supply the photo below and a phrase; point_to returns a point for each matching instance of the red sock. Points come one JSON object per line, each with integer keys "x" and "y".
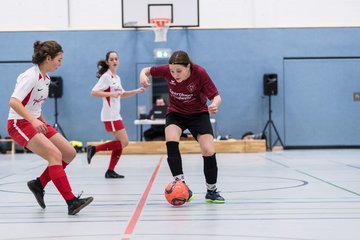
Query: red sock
{"x": 64, "y": 164}
{"x": 45, "y": 178}
{"x": 109, "y": 146}
{"x": 60, "y": 180}
{"x": 115, "y": 156}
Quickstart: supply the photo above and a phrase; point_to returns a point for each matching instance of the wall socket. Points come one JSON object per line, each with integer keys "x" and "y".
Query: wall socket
{"x": 356, "y": 96}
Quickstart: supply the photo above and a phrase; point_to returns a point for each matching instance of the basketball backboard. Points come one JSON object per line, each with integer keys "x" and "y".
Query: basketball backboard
{"x": 137, "y": 13}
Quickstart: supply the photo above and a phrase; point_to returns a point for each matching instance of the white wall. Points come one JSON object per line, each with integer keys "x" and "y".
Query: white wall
{"x": 16, "y": 15}
{"x": 95, "y": 14}
{"x": 278, "y": 13}
{"x": 33, "y": 15}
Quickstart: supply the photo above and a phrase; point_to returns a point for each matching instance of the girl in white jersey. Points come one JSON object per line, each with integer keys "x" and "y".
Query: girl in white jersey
{"x": 28, "y": 128}
{"x": 110, "y": 90}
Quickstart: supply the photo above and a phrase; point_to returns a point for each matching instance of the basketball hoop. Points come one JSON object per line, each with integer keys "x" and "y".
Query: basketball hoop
{"x": 160, "y": 27}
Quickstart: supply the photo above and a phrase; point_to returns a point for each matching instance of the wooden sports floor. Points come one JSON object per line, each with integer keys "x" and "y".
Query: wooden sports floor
{"x": 286, "y": 195}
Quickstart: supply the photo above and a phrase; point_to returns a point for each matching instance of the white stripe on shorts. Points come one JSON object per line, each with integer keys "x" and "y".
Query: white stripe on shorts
{"x": 112, "y": 126}
{"x": 20, "y": 132}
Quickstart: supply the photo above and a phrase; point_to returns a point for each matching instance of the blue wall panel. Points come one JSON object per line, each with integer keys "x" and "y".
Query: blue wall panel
{"x": 323, "y": 113}
{"x": 236, "y": 59}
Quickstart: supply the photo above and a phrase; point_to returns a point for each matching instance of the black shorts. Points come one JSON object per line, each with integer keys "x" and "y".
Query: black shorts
{"x": 197, "y": 124}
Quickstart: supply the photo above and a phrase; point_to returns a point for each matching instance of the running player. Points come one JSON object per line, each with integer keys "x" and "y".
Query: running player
{"x": 26, "y": 125}
{"x": 189, "y": 88}
{"x": 109, "y": 88}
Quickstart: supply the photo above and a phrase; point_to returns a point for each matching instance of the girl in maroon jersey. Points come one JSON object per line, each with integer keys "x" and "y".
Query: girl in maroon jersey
{"x": 28, "y": 128}
{"x": 109, "y": 88}
{"x": 189, "y": 88}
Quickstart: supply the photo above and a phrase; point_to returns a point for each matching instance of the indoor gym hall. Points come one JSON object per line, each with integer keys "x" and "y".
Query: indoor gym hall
{"x": 312, "y": 46}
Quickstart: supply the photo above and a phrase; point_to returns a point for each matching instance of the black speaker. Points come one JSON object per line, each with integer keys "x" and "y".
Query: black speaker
{"x": 270, "y": 84}
{"x": 56, "y": 87}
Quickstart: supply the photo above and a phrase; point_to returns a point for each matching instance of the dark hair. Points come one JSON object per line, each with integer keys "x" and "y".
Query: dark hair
{"x": 155, "y": 98}
{"x": 102, "y": 65}
{"x": 181, "y": 58}
{"x": 44, "y": 49}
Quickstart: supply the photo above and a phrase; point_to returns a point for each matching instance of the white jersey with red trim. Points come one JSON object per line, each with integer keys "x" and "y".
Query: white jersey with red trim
{"x": 109, "y": 82}
{"x": 31, "y": 89}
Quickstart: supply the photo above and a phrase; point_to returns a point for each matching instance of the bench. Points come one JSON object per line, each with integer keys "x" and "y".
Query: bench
{"x": 191, "y": 146}
{"x": 12, "y": 151}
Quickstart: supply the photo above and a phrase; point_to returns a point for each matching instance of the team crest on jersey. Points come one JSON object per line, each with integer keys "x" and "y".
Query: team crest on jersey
{"x": 191, "y": 87}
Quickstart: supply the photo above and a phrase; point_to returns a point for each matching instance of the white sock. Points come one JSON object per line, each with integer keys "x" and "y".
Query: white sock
{"x": 179, "y": 177}
{"x": 211, "y": 187}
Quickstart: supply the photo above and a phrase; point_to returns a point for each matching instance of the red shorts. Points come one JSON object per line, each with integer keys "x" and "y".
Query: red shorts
{"x": 21, "y": 131}
{"x": 113, "y": 126}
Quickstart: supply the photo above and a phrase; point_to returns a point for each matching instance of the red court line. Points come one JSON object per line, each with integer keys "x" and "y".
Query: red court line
{"x": 135, "y": 217}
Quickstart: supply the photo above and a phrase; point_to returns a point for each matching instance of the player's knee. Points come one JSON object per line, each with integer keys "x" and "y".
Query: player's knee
{"x": 69, "y": 155}
{"x": 207, "y": 151}
{"x": 124, "y": 143}
{"x": 54, "y": 157}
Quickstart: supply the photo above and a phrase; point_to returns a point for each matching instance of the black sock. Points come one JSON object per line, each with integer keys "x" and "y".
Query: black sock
{"x": 210, "y": 169}
{"x": 174, "y": 158}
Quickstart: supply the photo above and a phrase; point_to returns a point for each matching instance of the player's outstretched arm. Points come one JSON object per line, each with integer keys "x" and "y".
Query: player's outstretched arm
{"x": 144, "y": 77}
{"x": 132, "y": 92}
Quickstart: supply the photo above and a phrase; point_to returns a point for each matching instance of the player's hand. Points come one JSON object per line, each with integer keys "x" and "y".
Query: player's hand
{"x": 39, "y": 126}
{"x": 212, "y": 109}
{"x": 140, "y": 90}
{"x": 145, "y": 81}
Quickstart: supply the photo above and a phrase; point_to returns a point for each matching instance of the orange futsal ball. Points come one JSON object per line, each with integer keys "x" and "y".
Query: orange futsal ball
{"x": 176, "y": 193}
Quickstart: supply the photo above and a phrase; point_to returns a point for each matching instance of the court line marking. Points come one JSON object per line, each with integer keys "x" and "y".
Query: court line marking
{"x": 136, "y": 215}
{"x": 309, "y": 175}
